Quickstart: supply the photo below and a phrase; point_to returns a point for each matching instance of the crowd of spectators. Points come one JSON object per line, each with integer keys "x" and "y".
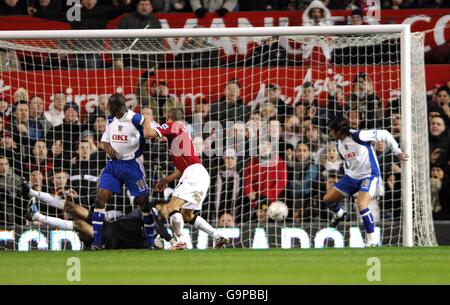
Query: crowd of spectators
{"x": 56, "y": 150}
{"x": 52, "y": 8}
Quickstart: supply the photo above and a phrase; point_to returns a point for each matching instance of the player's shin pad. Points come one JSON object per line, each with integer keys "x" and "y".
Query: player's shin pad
{"x": 177, "y": 223}
{"x": 148, "y": 226}
{"x": 368, "y": 220}
{"x": 98, "y": 218}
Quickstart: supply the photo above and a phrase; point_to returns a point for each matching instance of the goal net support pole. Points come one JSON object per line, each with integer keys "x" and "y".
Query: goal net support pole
{"x": 405, "y": 53}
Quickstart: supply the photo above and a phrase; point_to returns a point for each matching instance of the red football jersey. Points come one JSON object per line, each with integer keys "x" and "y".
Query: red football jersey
{"x": 181, "y": 149}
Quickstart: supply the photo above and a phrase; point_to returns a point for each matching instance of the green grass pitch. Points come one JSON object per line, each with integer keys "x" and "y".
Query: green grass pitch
{"x": 230, "y": 266}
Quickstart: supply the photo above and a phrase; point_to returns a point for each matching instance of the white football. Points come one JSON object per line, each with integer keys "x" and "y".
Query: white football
{"x": 278, "y": 211}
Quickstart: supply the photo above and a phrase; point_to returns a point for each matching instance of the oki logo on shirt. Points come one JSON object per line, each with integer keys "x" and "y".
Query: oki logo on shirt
{"x": 350, "y": 155}
{"x": 119, "y": 138}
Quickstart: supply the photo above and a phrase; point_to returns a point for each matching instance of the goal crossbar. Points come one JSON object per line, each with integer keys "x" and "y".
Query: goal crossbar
{"x": 206, "y": 32}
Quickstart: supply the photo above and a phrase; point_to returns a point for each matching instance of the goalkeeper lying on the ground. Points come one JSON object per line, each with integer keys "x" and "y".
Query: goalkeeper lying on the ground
{"x": 126, "y": 232}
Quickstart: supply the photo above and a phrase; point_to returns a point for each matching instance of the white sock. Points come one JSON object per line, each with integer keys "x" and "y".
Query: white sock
{"x": 201, "y": 224}
{"x": 131, "y": 198}
{"x": 371, "y": 238}
{"x": 177, "y": 224}
{"x": 53, "y": 221}
{"x": 48, "y": 199}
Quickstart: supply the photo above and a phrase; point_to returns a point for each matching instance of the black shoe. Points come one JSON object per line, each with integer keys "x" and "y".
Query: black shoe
{"x": 32, "y": 209}
{"x": 158, "y": 244}
{"x": 220, "y": 242}
{"x": 336, "y": 220}
{"x": 153, "y": 247}
{"x": 25, "y": 189}
{"x": 96, "y": 248}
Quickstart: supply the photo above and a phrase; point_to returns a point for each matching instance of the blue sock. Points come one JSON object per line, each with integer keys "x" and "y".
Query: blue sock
{"x": 148, "y": 226}
{"x": 97, "y": 223}
{"x": 335, "y": 207}
{"x": 367, "y": 218}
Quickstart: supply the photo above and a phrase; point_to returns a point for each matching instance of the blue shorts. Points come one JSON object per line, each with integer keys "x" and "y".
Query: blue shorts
{"x": 119, "y": 172}
{"x": 349, "y": 186}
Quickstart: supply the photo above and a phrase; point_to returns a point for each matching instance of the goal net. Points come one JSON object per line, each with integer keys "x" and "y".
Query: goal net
{"x": 256, "y": 107}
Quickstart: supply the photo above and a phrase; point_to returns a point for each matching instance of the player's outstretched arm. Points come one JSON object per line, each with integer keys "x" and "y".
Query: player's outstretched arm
{"x": 386, "y": 137}
{"x": 161, "y": 184}
{"x": 149, "y": 131}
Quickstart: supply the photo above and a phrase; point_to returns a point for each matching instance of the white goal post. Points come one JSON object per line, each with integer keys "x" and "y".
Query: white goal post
{"x": 415, "y": 194}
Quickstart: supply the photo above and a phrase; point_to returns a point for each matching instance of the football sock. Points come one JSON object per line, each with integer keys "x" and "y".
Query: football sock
{"x": 53, "y": 221}
{"x": 160, "y": 227}
{"x": 48, "y": 199}
{"x": 369, "y": 224}
{"x": 200, "y": 223}
{"x": 335, "y": 207}
{"x": 97, "y": 223}
{"x": 177, "y": 223}
{"x": 148, "y": 226}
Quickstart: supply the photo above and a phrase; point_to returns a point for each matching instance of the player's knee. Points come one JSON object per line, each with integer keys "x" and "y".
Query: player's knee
{"x": 186, "y": 218}
{"x": 188, "y": 215}
{"x": 141, "y": 200}
{"x": 144, "y": 204}
{"x": 162, "y": 210}
{"x": 172, "y": 207}
{"x": 327, "y": 199}
{"x": 77, "y": 224}
{"x": 99, "y": 204}
{"x": 363, "y": 200}
{"x": 102, "y": 197}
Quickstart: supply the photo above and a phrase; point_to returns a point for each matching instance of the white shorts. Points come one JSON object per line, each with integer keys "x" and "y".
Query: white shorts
{"x": 193, "y": 187}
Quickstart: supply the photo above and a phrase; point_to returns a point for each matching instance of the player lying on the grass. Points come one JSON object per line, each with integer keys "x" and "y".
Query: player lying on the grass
{"x": 193, "y": 185}
{"x": 123, "y": 141}
{"x": 126, "y": 232}
{"x": 362, "y": 172}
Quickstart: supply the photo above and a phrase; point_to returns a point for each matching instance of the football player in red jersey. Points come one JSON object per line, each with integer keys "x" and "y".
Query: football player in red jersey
{"x": 193, "y": 185}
